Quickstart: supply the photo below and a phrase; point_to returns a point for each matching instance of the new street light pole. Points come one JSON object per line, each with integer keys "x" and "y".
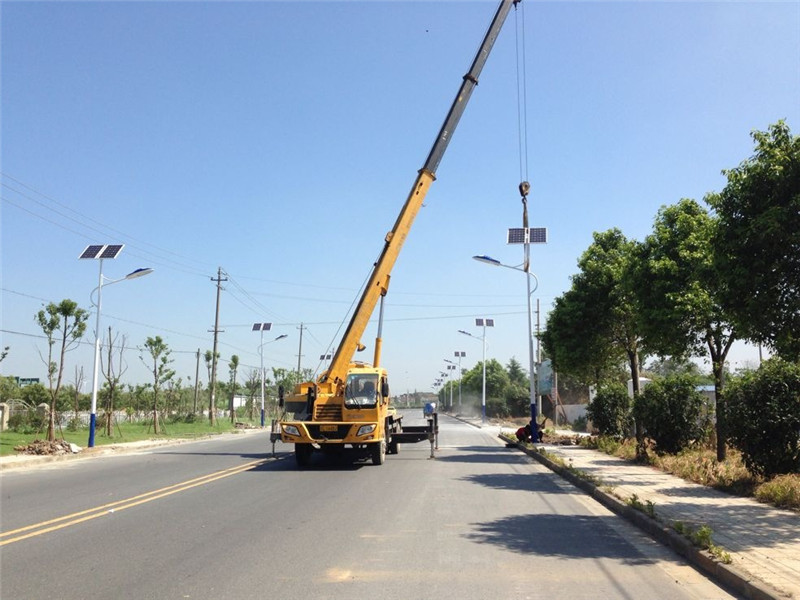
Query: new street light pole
{"x": 531, "y": 357}
{"x": 262, "y": 327}
{"x": 451, "y": 366}
{"x": 460, "y": 355}
{"x": 100, "y": 252}
{"x": 482, "y": 323}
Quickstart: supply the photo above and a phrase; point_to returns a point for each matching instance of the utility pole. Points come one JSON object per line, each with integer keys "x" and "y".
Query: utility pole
{"x": 212, "y": 405}
{"x": 300, "y": 351}
{"x": 196, "y": 382}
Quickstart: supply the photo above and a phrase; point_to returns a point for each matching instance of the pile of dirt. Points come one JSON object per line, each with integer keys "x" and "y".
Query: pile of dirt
{"x": 43, "y": 447}
{"x": 240, "y": 425}
{"x": 560, "y": 440}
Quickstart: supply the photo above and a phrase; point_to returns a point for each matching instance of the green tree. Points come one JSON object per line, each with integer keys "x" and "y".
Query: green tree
{"x": 233, "y": 367}
{"x": 679, "y": 295}
{"x": 597, "y": 323}
{"x": 158, "y": 362}
{"x": 63, "y": 323}
{"x": 757, "y": 242}
{"x": 9, "y": 389}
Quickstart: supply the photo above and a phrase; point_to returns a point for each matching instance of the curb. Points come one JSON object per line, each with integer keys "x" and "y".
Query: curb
{"x": 23, "y": 461}
{"x": 726, "y": 575}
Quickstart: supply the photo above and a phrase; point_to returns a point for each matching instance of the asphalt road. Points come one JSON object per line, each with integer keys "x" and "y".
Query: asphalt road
{"x": 223, "y": 519}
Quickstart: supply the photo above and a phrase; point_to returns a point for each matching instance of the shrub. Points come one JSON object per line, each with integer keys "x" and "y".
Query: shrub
{"x": 610, "y": 410}
{"x": 670, "y": 411}
{"x": 763, "y": 409}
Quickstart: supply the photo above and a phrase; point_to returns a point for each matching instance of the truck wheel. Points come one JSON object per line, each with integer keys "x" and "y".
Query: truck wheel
{"x": 302, "y": 454}
{"x": 379, "y": 453}
{"x": 394, "y": 447}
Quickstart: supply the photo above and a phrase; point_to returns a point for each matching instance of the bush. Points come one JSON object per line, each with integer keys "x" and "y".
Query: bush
{"x": 763, "y": 409}
{"x": 610, "y": 411}
{"x": 26, "y": 422}
{"x": 670, "y": 411}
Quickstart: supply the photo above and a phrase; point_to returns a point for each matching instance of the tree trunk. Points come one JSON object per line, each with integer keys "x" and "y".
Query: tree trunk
{"x": 633, "y": 359}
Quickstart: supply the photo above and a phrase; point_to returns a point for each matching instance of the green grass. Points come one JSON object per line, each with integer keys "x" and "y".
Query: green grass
{"x": 126, "y": 432}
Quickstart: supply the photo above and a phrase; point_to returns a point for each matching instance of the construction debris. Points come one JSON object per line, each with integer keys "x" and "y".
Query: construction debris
{"x": 43, "y": 447}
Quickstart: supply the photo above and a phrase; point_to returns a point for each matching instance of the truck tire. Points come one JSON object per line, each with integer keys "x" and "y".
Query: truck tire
{"x": 302, "y": 454}
{"x": 379, "y": 453}
{"x": 394, "y": 447}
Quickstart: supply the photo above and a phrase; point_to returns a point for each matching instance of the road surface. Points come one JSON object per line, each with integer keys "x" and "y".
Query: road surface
{"x": 224, "y": 519}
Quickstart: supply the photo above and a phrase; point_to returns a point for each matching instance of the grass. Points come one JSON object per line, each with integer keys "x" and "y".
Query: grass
{"x": 125, "y": 432}
{"x": 700, "y": 465}
{"x": 701, "y": 538}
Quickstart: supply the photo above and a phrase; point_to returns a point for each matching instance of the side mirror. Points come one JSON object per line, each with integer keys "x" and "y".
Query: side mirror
{"x": 280, "y": 396}
{"x": 384, "y": 388}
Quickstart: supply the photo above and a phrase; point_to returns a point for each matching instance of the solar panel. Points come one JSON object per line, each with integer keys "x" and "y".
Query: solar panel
{"x": 256, "y": 326}
{"x": 516, "y": 236}
{"x": 262, "y": 326}
{"x": 490, "y": 322}
{"x": 111, "y": 251}
{"x": 538, "y": 235}
{"x": 479, "y": 322}
{"x": 92, "y": 251}
{"x": 531, "y": 235}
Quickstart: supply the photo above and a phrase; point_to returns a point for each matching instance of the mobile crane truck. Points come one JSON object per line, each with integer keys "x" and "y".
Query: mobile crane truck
{"x": 348, "y": 404}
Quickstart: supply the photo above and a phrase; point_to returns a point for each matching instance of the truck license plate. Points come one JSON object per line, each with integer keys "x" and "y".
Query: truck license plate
{"x": 327, "y": 428}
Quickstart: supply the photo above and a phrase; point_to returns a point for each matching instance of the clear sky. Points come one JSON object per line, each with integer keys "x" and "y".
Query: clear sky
{"x": 278, "y": 140}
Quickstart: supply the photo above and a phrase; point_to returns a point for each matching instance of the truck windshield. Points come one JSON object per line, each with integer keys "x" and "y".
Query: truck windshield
{"x": 361, "y": 391}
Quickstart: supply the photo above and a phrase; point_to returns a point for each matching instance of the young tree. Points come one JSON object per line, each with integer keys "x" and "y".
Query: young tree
{"x": 158, "y": 352}
{"x": 252, "y": 386}
{"x": 680, "y": 297}
{"x": 78, "y": 384}
{"x": 64, "y": 323}
{"x": 233, "y": 367}
{"x": 112, "y": 374}
{"x": 757, "y": 242}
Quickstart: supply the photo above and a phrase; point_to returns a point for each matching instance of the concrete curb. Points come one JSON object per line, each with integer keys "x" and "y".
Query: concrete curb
{"x": 726, "y": 575}
{"x": 25, "y": 461}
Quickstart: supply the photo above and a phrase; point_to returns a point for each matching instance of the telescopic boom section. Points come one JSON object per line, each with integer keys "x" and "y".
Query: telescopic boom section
{"x": 379, "y": 279}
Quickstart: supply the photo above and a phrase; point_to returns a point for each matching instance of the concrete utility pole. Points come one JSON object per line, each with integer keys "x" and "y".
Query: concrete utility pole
{"x": 196, "y": 382}
{"x": 212, "y": 404}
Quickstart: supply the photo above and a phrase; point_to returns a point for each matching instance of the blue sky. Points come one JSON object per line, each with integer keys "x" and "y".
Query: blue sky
{"x": 278, "y": 140}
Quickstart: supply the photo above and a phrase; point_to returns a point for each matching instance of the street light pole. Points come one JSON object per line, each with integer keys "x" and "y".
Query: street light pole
{"x": 262, "y": 327}
{"x": 531, "y": 357}
{"x": 482, "y": 323}
{"x": 460, "y": 355}
{"x": 100, "y": 252}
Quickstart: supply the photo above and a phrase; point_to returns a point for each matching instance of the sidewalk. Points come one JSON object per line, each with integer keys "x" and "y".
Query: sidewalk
{"x": 763, "y": 542}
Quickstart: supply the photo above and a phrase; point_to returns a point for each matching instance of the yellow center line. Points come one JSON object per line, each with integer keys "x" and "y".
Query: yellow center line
{"x": 112, "y": 507}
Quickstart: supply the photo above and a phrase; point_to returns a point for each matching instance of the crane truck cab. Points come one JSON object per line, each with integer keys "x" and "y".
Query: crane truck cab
{"x": 354, "y": 413}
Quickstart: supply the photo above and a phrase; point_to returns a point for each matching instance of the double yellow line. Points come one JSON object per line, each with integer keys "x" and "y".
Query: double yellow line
{"x": 23, "y": 533}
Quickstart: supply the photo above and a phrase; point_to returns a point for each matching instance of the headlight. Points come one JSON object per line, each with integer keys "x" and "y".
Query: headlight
{"x": 366, "y": 429}
{"x": 291, "y": 430}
